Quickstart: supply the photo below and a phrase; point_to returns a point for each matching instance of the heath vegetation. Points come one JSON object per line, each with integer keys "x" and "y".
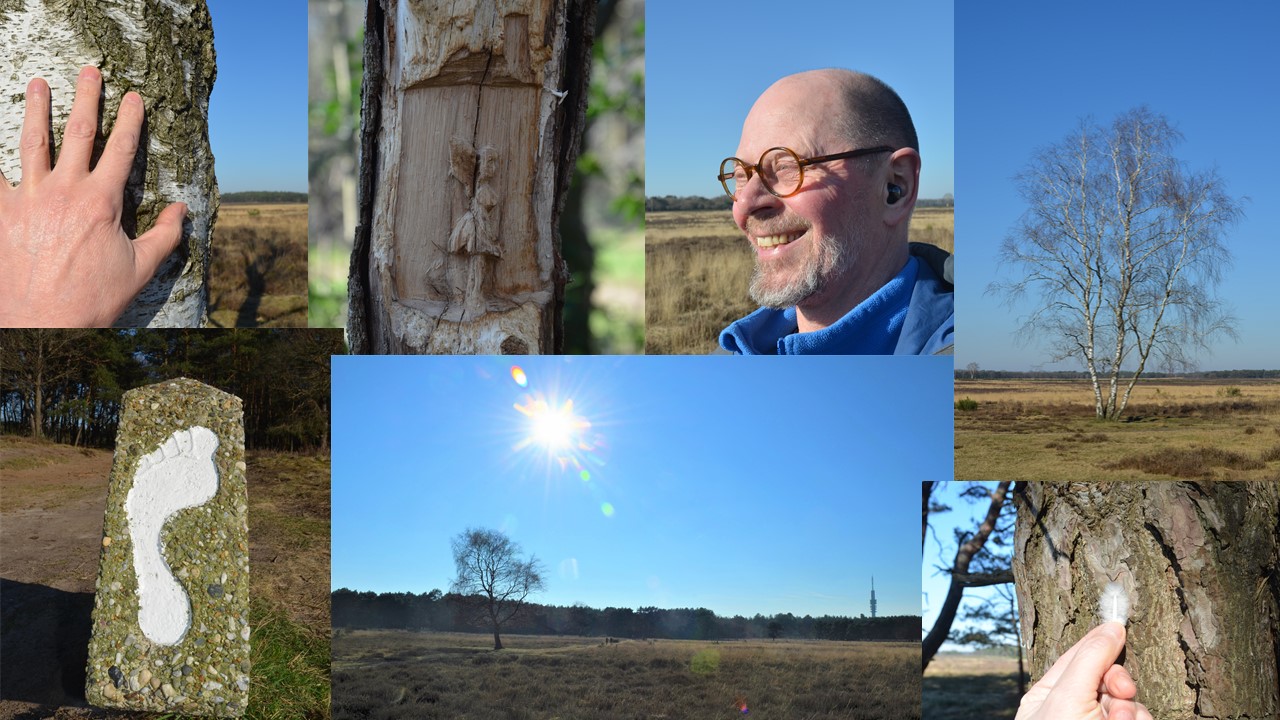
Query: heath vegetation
{"x": 1046, "y": 429}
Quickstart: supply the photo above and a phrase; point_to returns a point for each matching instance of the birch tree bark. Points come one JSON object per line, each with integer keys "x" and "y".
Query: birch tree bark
{"x": 471, "y": 119}
{"x": 163, "y": 50}
{"x": 1200, "y": 563}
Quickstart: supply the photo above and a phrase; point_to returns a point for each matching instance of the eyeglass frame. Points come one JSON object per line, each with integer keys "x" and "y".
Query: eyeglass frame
{"x": 800, "y": 166}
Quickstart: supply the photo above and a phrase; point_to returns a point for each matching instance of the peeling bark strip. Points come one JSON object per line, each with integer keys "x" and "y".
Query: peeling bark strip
{"x": 1200, "y": 564}
{"x": 163, "y": 50}
{"x": 471, "y": 120}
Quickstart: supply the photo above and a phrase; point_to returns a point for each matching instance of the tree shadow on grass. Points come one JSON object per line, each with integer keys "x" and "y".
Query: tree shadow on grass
{"x": 45, "y": 637}
{"x": 970, "y": 697}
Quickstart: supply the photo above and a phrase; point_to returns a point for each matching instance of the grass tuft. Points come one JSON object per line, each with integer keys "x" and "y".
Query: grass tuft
{"x": 290, "y": 677}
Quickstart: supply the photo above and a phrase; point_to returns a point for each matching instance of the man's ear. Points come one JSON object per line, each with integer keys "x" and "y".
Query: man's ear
{"x": 902, "y": 183}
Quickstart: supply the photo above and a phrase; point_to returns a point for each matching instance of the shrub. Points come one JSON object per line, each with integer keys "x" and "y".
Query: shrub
{"x": 966, "y": 404}
{"x": 1230, "y": 391}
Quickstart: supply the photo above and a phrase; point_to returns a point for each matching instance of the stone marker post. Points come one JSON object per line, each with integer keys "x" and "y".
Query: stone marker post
{"x": 171, "y": 616}
{"x": 164, "y": 52}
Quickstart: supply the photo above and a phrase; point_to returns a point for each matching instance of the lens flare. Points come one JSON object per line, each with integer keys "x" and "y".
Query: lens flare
{"x": 607, "y": 509}
{"x": 517, "y": 374}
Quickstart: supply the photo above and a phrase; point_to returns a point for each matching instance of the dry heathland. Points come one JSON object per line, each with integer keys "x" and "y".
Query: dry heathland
{"x": 1172, "y": 429}
{"x": 381, "y": 674}
{"x": 698, "y": 267}
{"x": 258, "y": 275}
{"x": 961, "y": 687}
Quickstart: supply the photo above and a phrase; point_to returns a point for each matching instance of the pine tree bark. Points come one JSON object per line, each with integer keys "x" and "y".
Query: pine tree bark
{"x": 163, "y": 50}
{"x": 1201, "y": 565}
{"x": 471, "y": 120}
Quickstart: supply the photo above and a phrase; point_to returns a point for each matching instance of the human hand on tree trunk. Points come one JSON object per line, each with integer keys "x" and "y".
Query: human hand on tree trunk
{"x": 65, "y": 260}
{"x": 1086, "y": 683}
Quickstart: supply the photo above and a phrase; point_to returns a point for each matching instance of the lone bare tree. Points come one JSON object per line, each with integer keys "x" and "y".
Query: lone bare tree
{"x": 493, "y": 578}
{"x": 1123, "y": 247}
{"x": 1200, "y": 563}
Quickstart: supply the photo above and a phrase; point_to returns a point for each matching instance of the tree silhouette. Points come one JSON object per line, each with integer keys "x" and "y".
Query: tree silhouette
{"x": 493, "y": 577}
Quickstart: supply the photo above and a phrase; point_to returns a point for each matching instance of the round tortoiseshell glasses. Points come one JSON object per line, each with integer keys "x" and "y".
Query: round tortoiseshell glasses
{"x": 781, "y": 169}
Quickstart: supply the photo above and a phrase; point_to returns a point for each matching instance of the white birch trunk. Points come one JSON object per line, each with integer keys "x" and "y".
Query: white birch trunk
{"x": 163, "y": 50}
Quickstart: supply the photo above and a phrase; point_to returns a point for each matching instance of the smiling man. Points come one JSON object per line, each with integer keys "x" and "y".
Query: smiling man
{"x": 824, "y": 184}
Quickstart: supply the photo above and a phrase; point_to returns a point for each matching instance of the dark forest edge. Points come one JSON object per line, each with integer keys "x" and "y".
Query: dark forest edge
{"x": 448, "y": 613}
{"x": 976, "y": 374}
{"x": 66, "y": 385}
{"x": 263, "y": 196}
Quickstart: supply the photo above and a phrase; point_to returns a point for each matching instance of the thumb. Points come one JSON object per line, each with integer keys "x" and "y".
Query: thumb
{"x": 1095, "y": 654}
{"x": 153, "y": 246}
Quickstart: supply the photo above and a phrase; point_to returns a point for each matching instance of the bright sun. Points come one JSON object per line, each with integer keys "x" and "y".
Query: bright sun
{"x": 554, "y": 428}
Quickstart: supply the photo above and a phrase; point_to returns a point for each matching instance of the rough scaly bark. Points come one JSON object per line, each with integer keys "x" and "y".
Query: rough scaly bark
{"x": 1199, "y": 562}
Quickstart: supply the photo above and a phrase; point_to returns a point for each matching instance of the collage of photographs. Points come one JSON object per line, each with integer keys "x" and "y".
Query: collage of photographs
{"x": 375, "y": 361}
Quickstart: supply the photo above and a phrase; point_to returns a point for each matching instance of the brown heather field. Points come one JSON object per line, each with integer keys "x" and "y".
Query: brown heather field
{"x": 258, "y": 277}
{"x": 698, "y": 267}
{"x": 965, "y": 687}
{"x": 382, "y": 674}
{"x": 1172, "y": 429}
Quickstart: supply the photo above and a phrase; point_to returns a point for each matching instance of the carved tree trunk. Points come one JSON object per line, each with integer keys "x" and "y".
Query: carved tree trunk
{"x": 1201, "y": 565}
{"x": 163, "y": 50}
{"x": 471, "y": 119}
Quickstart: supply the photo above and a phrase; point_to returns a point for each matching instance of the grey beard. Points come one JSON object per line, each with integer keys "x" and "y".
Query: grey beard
{"x": 831, "y": 259}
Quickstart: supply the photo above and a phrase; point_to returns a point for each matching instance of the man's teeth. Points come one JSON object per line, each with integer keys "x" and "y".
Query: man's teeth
{"x": 767, "y": 241}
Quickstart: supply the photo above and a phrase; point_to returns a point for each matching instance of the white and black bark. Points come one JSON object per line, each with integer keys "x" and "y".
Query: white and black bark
{"x": 163, "y": 50}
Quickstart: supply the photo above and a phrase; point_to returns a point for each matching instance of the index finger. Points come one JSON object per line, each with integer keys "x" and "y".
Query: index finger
{"x": 33, "y": 146}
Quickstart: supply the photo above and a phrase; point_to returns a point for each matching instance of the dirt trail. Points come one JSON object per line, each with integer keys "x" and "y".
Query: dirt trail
{"x": 50, "y": 532}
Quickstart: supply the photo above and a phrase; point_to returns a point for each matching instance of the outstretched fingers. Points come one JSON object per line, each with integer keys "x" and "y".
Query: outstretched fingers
{"x": 33, "y": 147}
{"x": 82, "y": 124}
{"x": 117, "y": 158}
{"x": 153, "y": 246}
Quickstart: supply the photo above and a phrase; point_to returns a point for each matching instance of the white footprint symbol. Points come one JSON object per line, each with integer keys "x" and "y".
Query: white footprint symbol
{"x": 177, "y": 475}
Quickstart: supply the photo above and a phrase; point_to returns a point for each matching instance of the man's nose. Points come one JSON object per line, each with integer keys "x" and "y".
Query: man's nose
{"x": 753, "y": 196}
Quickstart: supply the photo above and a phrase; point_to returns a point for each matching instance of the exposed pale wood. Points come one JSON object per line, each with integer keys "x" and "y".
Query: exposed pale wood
{"x": 471, "y": 119}
{"x": 164, "y": 51}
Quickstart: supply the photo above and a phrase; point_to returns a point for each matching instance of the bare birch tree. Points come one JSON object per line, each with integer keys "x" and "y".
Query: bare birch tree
{"x": 1122, "y": 246}
{"x": 493, "y": 577}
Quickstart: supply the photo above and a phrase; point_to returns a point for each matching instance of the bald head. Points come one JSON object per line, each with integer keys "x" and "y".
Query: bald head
{"x": 850, "y": 106}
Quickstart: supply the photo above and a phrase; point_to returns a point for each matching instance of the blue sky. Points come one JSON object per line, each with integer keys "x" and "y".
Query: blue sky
{"x": 258, "y": 110}
{"x": 706, "y": 63}
{"x": 1025, "y": 74}
{"x": 740, "y": 485}
{"x": 940, "y": 550}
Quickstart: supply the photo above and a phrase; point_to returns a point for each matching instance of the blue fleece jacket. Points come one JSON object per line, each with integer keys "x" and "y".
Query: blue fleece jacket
{"x": 912, "y": 314}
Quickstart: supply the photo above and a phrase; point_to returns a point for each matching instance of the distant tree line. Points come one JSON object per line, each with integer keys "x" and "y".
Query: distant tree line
{"x": 66, "y": 385}
{"x": 722, "y": 202}
{"x": 448, "y": 612}
{"x": 973, "y": 373}
{"x": 264, "y": 196}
